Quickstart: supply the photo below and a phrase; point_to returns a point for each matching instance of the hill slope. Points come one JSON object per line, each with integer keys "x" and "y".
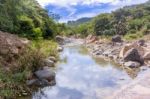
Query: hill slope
{"x": 132, "y": 21}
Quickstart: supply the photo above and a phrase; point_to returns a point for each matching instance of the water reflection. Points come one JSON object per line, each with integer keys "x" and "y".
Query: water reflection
{"x": 80, "y": 76}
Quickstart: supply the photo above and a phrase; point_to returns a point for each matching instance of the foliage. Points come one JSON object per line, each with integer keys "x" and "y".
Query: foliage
{"x": 125, "y": 21}
{"x": 26, "y": 18}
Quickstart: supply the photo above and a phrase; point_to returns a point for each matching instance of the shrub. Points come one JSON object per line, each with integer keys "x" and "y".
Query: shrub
{"x": 109, "y": 32}
{"x": 136, "y": 24}
{"x": 37, "y": 33}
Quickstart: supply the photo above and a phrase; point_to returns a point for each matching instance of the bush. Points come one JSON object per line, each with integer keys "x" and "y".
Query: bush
{"x": 37, "y": 33}
{"x": 25, "y": 23}
{"x": 136, "y": 24}
{"x": 110, "y": 32}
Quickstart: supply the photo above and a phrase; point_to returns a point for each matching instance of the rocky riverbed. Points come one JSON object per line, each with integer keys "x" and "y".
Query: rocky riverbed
{"x": 129, "y": 55}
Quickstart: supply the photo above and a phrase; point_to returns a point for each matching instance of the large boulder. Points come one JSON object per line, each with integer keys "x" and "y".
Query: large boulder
{"x": 133, "y": 55}
{"x": 116, "y": 38}
{"x": 127, "y": 47}
{"x": 47, "y": 74}
{"x": 132, "y": 64}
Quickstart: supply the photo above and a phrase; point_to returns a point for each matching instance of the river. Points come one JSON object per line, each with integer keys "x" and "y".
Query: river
{"x": 82, "y": 76}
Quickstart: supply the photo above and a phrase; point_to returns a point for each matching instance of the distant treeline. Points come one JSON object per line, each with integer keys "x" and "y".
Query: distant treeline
{"x": 132, "y": 21}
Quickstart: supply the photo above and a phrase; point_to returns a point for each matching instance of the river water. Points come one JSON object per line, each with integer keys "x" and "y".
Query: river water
{"x": 81, "y": 76}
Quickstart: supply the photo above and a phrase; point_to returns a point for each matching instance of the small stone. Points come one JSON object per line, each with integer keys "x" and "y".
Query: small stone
{"x": 143, "y": 68}
{"x": 31, "y": 82}
{"x": 52, "y": 58}
{"x": 116, "y": 38}
{"x": 48, "y": 62}
{"x": 132, "y": 64}
{"x": 107, "y": 53}
{"x": 24, "y": 94}
{"x": 141, "y": 42}
{"x": 60, "y": 49}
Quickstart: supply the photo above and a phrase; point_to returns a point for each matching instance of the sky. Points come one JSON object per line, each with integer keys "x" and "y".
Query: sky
{"x": 75, "y": 9}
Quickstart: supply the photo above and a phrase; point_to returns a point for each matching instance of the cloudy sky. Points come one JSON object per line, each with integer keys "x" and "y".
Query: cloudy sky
{"x": 75, "y": 9}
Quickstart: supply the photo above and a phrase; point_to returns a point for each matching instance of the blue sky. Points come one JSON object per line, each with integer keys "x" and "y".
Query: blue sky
{"x": 75, "y": 9}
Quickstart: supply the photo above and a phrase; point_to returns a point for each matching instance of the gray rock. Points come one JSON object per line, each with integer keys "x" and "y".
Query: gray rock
{"x": 52, "y": 58}
{"x": 98, "y": 53}
{"x": 31, "y": 82}
{"x": 116, "y": 38}
{"x": 107, "y": 53}
{"x": 141, "y": 42}
{"x": 60, "y": 49}
{"x": 48, "y": 62}
{"x": 40, "y": 82}
{"x": 132, "y": 64}
{"x": 47, "y": 74}
{"x": 111, "y": 56}
{"x": 133, "y": 55}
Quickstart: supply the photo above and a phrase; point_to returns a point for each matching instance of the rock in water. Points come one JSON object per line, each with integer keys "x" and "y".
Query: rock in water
{"x": 47, "y": 74}
{"x": 132, "y": 64}
{"x": 116, "y": 38}
{"x": 133, "y": 55}
{"x": 40, "y": 82}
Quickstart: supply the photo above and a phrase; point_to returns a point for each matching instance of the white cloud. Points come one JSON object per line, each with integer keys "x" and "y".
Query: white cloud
{"x": 65, "y": 3}
{"x": 68, "y": 5}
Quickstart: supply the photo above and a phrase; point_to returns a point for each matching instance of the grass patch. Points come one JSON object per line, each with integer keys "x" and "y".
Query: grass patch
{"x": 136, "y": 35}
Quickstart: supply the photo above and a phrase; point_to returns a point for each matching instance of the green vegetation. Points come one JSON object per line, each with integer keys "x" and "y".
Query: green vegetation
{"x": 27, "y": 18}
{"x": 131, "y": 21}
{"x": 14, "y": 83}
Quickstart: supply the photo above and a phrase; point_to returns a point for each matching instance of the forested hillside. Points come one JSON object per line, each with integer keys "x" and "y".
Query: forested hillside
{"x": 131, "y": 21}
{"x": 26, "y": 18}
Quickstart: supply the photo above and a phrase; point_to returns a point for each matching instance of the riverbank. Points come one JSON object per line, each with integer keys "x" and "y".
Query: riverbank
{"x": 130, "y": 54}
{"x": 20, "y": 61}
{"x": 133, "y": 56}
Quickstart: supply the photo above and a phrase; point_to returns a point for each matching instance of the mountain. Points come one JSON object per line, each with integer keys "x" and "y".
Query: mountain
{"x": 79, "y": 21}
